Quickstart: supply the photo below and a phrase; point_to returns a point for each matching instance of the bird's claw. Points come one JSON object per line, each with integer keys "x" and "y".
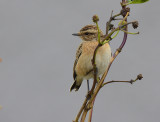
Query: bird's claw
{"x": 89, "y": 95}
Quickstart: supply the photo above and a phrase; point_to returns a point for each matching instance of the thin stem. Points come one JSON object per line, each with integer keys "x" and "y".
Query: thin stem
{"x": 81, "y": 110}
{"x": 116, "y": 81}
{"x": 98, "y": 32}
{"x": 123, "y": 2}
{"x": 124, "y": 18}
{"x": 118, "y": 19}
{"x": 100, "y": 84}
{"x": 94, "y": 70}
{"x": 116, "y": 16}
{"x": 91, "y": 112}
{"x": 139, "y": 77}
{"x": 124, "y": 39}
{"x": 130, "y": 32}
{"x": 116, "y": 29}
{"x": 107, "y": 37}
{"x": 115, "y": 35}
{"x": 109, "y": 22}
{"x": 84, "y": 115}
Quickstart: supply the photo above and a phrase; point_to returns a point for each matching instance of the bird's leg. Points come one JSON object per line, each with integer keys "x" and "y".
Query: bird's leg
{"x": 88, "y": 85}
{"x": 88, "y": 96}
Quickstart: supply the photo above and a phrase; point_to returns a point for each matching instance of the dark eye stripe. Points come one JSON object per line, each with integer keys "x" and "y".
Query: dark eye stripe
{"x": 88, "y": 33}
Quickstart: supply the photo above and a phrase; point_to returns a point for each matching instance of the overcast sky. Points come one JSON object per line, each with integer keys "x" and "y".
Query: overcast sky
{"x": 38, "y": 52}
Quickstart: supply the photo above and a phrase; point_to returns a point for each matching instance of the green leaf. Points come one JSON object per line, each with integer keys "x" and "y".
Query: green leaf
{"x": 136, "y": 1}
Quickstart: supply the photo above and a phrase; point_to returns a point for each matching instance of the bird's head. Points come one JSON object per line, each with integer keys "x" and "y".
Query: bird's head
{"x": 89, "y": 33}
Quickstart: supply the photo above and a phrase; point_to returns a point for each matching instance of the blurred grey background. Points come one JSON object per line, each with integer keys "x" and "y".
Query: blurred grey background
{"x": 38, "y": 53}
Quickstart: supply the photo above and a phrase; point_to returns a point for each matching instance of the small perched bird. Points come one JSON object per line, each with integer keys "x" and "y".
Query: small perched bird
{"x": 83, "y": 69}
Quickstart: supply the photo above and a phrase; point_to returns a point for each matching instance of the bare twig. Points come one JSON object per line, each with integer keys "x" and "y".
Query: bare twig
{"x": 109, "y": 22}
{"x": 91, "y": 112}
{"x": 84, "y": 115}
{"x": 139, "y": 77}
{"x": 81, "y": 110}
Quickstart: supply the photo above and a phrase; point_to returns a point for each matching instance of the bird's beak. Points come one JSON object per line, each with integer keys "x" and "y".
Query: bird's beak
{"x": 76, "y": 34}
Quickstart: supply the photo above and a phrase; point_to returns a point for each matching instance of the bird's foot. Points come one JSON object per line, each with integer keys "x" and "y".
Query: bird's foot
{"x": 89, "y": 95}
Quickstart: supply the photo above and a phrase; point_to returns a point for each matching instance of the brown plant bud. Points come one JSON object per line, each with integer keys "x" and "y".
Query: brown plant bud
{"x": 95, "y": 18}
{"x": 111, "y": 26}
{"x": 127, "y": 9}
{"x": 139, "y": 77}
{"x": 124, "y": 11}
{"x": 135, "y": 24}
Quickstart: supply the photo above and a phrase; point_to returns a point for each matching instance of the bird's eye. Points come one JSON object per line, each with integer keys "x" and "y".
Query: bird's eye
{"x": 86, "y": 33}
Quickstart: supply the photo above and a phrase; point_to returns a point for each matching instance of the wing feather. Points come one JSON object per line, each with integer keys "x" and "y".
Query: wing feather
{"x": 78, "y": 54}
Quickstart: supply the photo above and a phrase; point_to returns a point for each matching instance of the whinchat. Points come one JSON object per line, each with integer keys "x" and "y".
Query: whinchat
{"x": 83, "y": 69}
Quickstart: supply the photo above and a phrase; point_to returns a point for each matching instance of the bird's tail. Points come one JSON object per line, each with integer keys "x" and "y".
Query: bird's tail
{"x": 75, "y": 86}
